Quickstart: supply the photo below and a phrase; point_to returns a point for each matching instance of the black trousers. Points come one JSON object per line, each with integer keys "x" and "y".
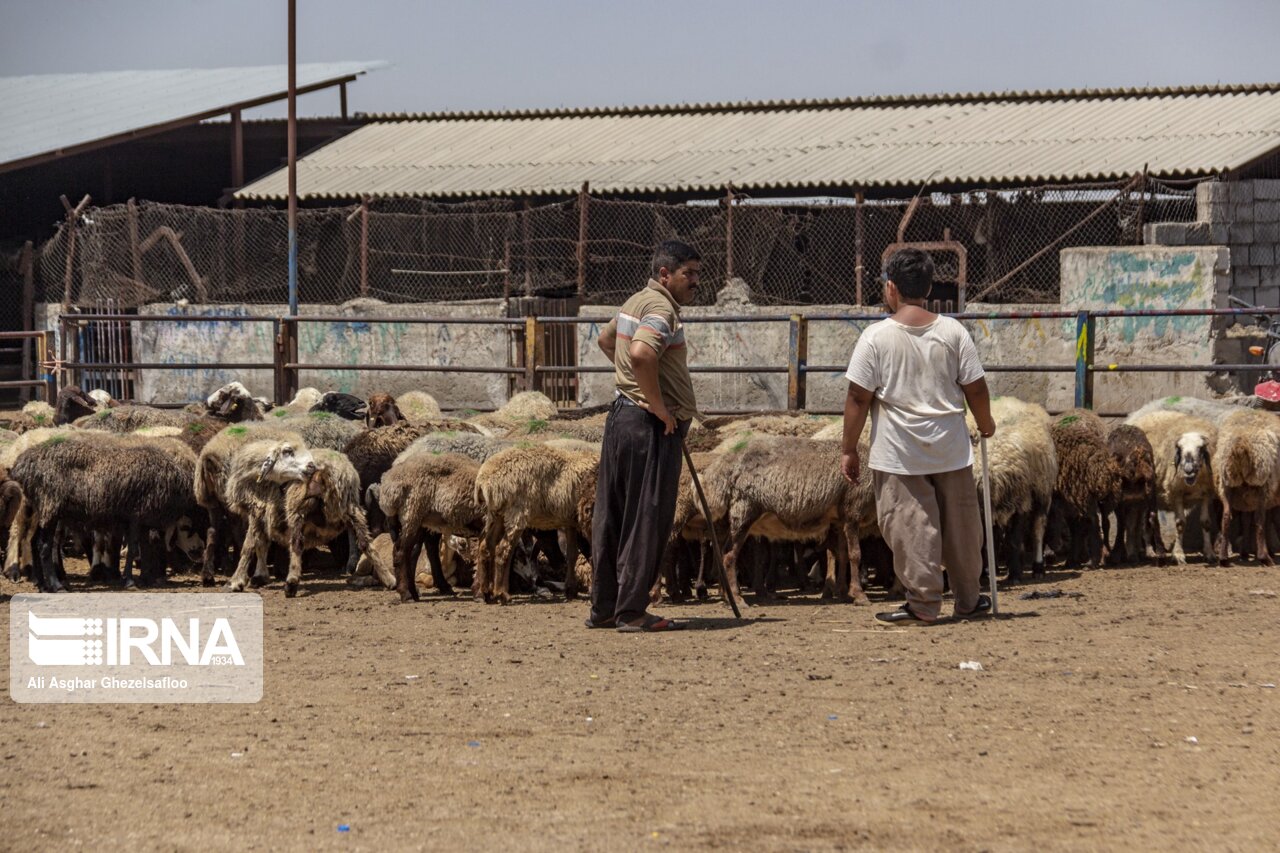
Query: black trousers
{"x": 635, "y": 505}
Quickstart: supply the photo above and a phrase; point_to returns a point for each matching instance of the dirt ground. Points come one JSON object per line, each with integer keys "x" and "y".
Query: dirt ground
{"x": 808, "y": 727}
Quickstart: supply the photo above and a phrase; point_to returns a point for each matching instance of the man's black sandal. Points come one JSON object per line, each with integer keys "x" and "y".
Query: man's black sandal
{"x": 903, "y": 615}
{"x": 980, "y": 610}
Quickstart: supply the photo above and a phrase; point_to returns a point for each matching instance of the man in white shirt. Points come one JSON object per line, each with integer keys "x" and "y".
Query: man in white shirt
{"x": 914, "y": 372}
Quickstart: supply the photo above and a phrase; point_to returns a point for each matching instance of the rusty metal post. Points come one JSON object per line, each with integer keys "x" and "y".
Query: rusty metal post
{"x": 73, "y": 215}
{"x": 28, "y": 311}
{"x": 859, "y": 237}
{"x": 583, "y": 200}
{"x": 1142, "y": 200}
{"x": 364, "y": 245}
{"x": 45, "y": 345}
{"x": 797, "y": 362}
{"x": 524, "y": 249}
{"x": 1085, "y": 329}
{"x": 342, "y": 100}
{"x": 728, "y": 233}
{"x": 292, "y": 154}
{"x": 506, "y": 270}
{"x": 237, "y": 150}
{"x": 532, "y": 352}
{"x": 135, "y": 252}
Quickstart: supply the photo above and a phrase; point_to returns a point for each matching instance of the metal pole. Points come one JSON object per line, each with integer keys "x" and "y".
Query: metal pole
{"x": 991, "y": 536}
{"x": 28, "y": 312}
{"x": 584, "y": 199}
{"x": 728, "y": 232}
{"x": 1084, "y": 360}
{"x": 858, "y": 238}
{"x": 797, "y": 362}
{"x": 293, "y": 158}
{"x": 364, "y": 245}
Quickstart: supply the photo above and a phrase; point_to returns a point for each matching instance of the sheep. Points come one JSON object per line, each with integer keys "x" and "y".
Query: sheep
{"x": 425, "y": 496}
{"x": 233, "y": 403}
{"x": 210, "y": 479}
{"x": 73, "y": 403}
{"x": 102, "y": 481}
{"x": 381, "y": 410}
{"x": 522, "y": 407}
{"x": 418, "y": 407}
{"x": 1246, "y": 475}
{"x": 584, "y": 429}
{"x": 253, "y": 488}
{"x": 1088, "y": 476}
{"x": 1209, "y": 410}
{"x": 791, "y": 489}
{"x": 471, "y": 445}
{"x": 132, "y": 418}
{"x": 1184, "y": 446}
{"x": 346, "y": 406}
{"x": 321, "y": 429}
{"x": 793, "y": 425}
{"x": 535, "y": 487}
{"x": 1023, "y": 468}
{"x": 18, "y": 557}
{"x": 1135, "y": 504}
{"x": 303, "y": 401}
{"x": 102, "y": 398}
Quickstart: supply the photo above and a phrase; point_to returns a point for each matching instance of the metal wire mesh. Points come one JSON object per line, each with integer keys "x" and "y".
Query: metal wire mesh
{"x": 1001, "y": 245}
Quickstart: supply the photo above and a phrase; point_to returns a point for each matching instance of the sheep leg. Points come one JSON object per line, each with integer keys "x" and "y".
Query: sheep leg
{"x": 705, "y": 557}
{"x": 46, "y": 573}
{"x": 1153, "y": 532}
{"x": 240, "y": 579}
{"x": 482, "y": 584}
{"x": 430, "y": 541}
{"x": 405, "y": 541}
{"x": 501, "y": 574}
{"x": 294, "y": 579}
{"x": 135, "y": 554}
{"x": 58, "y": 564}
{"x": 359, "y": 528}
{"x": 1224, "y": 536}
{"x": 353, "y": 554}
{"x": 18, "y": 556}
{"x": 1209, "y": 546}
{"x": 1178, "y": 510}
{"x": 571, "y": 565}
{"x": 1260, "y": 535}
{"x": 740, "y": 520}
{"x": 212, "y": 543}
{"x": 848, "y": 549}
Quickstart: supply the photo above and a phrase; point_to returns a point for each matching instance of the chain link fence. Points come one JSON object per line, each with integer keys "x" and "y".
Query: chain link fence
{"x": 999, "y": 246}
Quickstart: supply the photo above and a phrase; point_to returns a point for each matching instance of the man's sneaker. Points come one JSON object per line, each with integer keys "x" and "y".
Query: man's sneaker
{"x": 980, "y": 610}
{"x": 903, "y": 615}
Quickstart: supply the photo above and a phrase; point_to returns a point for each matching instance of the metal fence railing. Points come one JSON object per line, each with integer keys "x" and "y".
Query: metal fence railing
{"x": 72, "y": 367}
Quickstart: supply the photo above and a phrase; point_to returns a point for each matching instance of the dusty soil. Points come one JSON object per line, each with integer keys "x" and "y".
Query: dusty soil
{"x": 808, "y": 727}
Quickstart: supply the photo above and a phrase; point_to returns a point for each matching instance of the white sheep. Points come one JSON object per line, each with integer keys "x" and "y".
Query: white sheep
{"x": 1184, "y": 447}
{"x": 1246, "y": 475}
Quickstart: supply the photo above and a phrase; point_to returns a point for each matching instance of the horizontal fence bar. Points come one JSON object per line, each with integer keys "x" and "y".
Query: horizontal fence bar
{"x": 20, "y": 336}
{"x": 693, "y": 368}
{"x": 1180, "y": 368}
{"x": 168, "y": 318}
{"x": 421, "y": 368}
{"x": 164, "y": 365}
{"x": 23, "y": 383}
{"x": 459, "y": 321}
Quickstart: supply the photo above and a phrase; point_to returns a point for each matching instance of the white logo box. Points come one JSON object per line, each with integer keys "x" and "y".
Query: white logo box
{"x": 135, "y": 647}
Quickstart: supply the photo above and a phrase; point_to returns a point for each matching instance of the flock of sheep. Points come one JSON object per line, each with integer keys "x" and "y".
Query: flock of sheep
{"x": 237, "y": 485}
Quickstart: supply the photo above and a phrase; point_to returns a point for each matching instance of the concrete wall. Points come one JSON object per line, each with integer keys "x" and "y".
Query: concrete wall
{"x": 1135, "y": 278}
{"x": 353, "y": 342}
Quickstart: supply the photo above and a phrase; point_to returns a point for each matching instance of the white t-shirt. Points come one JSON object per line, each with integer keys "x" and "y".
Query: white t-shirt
{"x": 915, "y": 372}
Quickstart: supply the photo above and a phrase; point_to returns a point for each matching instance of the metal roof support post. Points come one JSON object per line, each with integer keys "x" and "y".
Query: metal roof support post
{"x": 797, "y": 362}
{"x": 584, "y": 199}
{"x": 728, "y": 233}
{"x": 859, "y": 238}
{"x": 293, "y": 158}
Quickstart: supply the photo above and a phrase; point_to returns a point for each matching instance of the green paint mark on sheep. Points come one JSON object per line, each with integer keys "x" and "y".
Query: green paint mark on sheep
{"x": 280, "y": 413}
{"x": 321, "y": 416}
{"x": 535, "y": 425}
{"x": 1069, "y": 419}
{"x": 1169, "y": 401}
{"x": 237, "y": 430}
{"x": 102, "y": 414}
{"x": 56, "y": 439}
{"x": 451, "y": 433}
{"x": 195, "y": 427}
{"x": 739, "y": 446}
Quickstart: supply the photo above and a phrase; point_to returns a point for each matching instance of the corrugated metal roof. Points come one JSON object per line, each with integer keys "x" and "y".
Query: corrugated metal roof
{"x": 47, "y": 114}
{"x": 908, "y": 141}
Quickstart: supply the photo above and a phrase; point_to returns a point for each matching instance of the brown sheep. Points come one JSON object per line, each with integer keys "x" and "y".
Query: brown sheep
{"x": 1135, "y": 504}
{"x": 1088, "y": 476}
{"x": 381, "y": 410}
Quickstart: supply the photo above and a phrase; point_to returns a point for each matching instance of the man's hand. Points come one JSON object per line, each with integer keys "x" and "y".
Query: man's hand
{"x": 660, "y": 412}
{"x": 986, "y": 426}
{"x": 850, "y": 466}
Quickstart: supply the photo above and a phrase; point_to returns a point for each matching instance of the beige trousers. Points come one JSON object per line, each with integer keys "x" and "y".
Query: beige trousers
{"x": 932, "y": 520}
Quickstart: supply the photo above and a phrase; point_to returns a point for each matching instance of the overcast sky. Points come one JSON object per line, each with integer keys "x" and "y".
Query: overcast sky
{"x": 493, "y": 55}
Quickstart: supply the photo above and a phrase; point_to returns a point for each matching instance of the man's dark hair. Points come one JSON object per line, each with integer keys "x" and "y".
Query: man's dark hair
{"x": 671, "y": 254}
{"x": 911, "y": 271}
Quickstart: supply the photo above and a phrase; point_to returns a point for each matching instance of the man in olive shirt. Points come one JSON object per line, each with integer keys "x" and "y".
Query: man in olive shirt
{"x": 640, "y": 460}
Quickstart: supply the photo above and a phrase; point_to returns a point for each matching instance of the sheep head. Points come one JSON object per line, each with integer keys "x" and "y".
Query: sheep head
{"x": 186, "y": 538}
{"x": 382, "y": 410}
{"x": 316, "y": 486}
{"x": 1191, "y": 455}
{"x": 73, "y": 403}
{"x": 285, "y": 464}
{"x": 233, "y": 402}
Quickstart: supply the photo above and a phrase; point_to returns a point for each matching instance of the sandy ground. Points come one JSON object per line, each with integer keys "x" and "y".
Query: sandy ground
{"x": 809, "y": 727}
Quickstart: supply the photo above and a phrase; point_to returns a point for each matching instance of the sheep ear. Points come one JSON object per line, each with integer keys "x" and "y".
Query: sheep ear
{"x": 1204, "y": 454}
{"x": 267, "y": 464}
{"x": 1177, "y": 456}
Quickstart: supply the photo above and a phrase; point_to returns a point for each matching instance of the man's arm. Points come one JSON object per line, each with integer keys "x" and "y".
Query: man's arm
{"x": 978, "y": 396}
{"x": 644, "y": 364}
{"x": 608, "y": 339}
{"x": 857, "y": 405}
